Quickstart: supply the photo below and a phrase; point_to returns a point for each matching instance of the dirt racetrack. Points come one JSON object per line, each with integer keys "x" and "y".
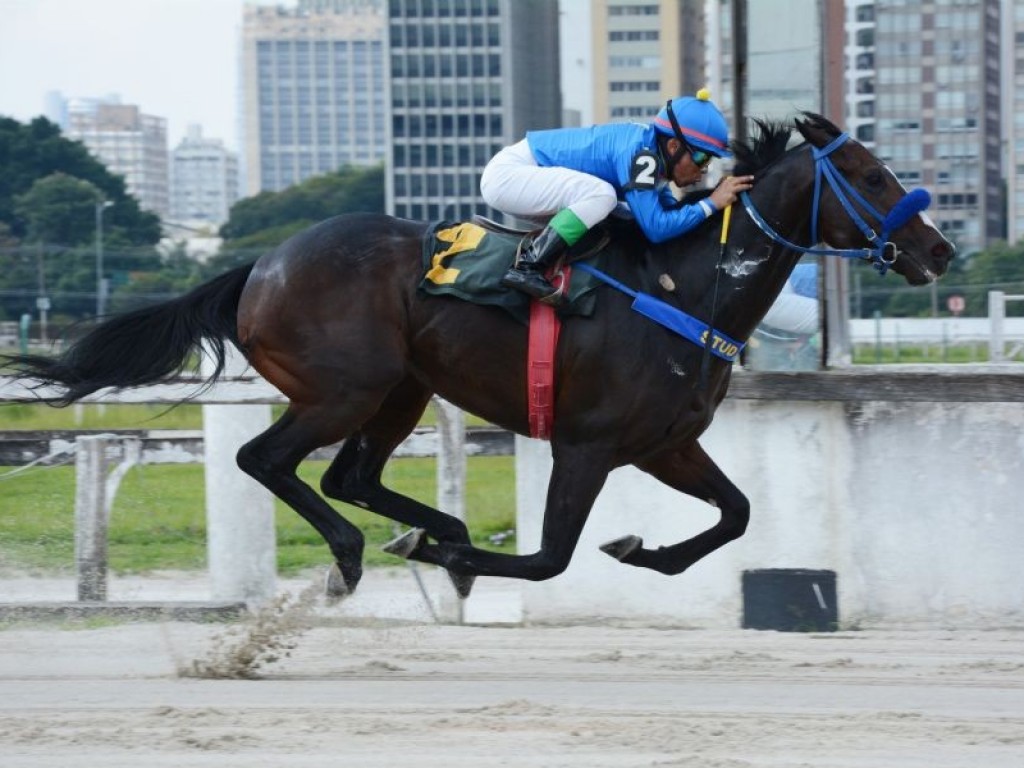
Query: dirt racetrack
{"x": 392, "y": 693}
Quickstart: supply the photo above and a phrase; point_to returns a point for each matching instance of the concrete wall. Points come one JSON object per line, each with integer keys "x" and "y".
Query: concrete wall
{"x": 918, "y": 507}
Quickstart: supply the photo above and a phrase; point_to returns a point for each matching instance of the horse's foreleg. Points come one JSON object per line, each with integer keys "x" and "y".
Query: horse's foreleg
{"x": 272, "y": 459}
{"x": 577, "y": 477}
{"x": 693, "y": 472}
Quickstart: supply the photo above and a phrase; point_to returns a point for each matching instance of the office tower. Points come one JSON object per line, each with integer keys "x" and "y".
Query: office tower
{"x": 313, "y": 90}
{"x": 926, "y": 92}
{"x": 127, "y": 142}
{"x": 204, "y": 180}
{"x": 1013, "y": 111}
{"x": 466, "y": 78}
{"x": 645, "y": 53}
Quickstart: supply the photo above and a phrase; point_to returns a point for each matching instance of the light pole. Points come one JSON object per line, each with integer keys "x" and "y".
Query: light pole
{"x": 101, "y": 205}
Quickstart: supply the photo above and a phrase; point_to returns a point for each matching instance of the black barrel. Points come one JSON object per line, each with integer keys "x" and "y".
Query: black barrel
{"x": 790, "y": 600}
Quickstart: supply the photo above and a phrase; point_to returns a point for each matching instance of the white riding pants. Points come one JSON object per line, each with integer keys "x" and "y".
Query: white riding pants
{"x": 512, "y": 182}
{"x": 793, "y": 313}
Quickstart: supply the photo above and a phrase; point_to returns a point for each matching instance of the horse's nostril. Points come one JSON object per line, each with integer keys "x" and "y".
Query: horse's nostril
{"x": 944, "y": 251}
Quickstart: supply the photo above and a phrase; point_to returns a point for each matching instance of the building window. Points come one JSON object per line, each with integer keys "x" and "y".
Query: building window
{"x": 865, "y": 133}
{"x": 633, "y": 35}
{"x": 633, "y": 10}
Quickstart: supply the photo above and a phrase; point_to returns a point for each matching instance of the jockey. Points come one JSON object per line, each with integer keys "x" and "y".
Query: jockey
{"x": 578, "y": 175}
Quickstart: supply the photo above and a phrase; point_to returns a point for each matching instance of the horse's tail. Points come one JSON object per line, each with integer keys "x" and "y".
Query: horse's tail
{"x": 143, "y": 346}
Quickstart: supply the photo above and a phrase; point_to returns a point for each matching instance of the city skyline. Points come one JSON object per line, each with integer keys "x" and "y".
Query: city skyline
{"x": 43, "y": 41}
{"x": 131, "y": 49}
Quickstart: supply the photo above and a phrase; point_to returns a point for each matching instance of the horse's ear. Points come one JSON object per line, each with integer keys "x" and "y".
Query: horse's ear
{"x": 816, "y": 129}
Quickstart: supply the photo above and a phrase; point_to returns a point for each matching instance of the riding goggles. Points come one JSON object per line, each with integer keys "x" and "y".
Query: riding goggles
{"x": 700, "y": 158}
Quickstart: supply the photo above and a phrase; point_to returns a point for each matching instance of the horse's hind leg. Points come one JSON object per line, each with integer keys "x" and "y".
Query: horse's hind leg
{"x": 577, "y": 476}
{"x": 273, "y": 457}
{"x": 355, "y": 474}
{"x": 693, "y": 472}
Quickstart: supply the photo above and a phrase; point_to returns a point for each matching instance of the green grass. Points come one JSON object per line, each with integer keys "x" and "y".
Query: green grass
{"x": 99, "y": 416}
{"x": 158, "y": 519}
{"x": 115, "y": 416}
{"x": 869, "y": 354}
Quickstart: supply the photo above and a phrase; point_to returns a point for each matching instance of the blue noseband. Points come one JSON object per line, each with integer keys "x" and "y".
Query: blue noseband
{"x": 882, "y": 252}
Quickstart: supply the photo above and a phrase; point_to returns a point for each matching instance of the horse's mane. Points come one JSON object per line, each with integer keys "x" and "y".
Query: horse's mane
{"x": 767, "y": 147}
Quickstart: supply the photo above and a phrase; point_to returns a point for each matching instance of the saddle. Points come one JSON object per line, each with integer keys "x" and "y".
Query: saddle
{"x": 467, "y": 260}
{"x": 592, "y": 242}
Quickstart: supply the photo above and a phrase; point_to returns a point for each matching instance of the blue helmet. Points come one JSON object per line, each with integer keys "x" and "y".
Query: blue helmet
{"x": 699, "y": 123}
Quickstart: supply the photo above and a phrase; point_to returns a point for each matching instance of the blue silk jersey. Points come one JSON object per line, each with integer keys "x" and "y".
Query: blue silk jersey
{"x": 610, "y": 152}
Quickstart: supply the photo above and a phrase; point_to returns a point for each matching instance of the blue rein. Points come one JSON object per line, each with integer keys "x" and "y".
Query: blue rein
{"x": 882, "y": 253}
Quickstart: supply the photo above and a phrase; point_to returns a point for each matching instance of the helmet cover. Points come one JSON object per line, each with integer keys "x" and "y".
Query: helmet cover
{"x": 700, "y": 121}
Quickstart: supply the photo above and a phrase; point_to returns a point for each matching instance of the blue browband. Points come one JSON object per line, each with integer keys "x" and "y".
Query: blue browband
{"x": 882, "y": 252}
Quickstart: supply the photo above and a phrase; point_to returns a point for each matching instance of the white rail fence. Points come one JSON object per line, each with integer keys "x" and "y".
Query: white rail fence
{"x": 239, "y": 512}
{"x": 999, "y": 331}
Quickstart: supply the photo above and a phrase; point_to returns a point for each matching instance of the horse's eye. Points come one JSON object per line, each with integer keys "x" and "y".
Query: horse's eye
{"x": 875, "y": 178}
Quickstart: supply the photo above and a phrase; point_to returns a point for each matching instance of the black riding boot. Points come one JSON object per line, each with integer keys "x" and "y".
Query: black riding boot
{"x": 527, "y": 274}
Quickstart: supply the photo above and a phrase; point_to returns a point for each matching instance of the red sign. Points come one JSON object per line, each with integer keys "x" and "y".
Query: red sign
{"x": 956, "y": 304}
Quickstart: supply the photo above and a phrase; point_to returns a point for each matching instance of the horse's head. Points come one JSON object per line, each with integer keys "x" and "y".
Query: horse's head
{"x": 863, "y": 204}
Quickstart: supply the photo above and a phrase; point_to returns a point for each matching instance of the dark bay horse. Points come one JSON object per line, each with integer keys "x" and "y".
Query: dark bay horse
{"x": 333, "y": 319}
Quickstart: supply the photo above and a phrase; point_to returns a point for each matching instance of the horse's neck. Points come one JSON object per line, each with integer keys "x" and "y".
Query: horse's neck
{"x": 753, "y": 270}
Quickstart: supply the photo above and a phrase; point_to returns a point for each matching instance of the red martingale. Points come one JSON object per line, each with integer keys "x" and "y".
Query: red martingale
{"x": 540, "y": 361}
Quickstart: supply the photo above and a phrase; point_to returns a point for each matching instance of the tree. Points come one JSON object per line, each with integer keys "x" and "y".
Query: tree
{"x": 58, "y": 209}
{"x": 29, "y": 153}
{"x": 347, "y": 190}
{"x": 999, "y": 267}
{"x": 260, "y": 223}
{"x": 176, "y": 274}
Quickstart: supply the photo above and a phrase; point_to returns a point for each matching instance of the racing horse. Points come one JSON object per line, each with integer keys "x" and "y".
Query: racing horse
{"x": 333, "y": 318}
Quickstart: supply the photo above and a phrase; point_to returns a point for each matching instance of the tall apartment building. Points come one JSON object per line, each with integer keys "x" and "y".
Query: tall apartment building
{"x": 1013, "y": 121}
{"x": 926, "y": 92}
{"x": 204, "y": 180}
{"x": 466, "y": 78}
{"x": 644, "y": 53}
{"x": 127, "y": 142}
{"x": 794, "y": 61}
{"x": 313, "y": 89}
{"x": 860, "y": 72}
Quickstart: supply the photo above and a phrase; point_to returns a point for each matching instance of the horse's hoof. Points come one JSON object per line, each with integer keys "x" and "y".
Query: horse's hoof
{"x": 335, "y": 586}
{"x": 622, "y": 548}
{"x": 463, "y": 583}
{"x": 407, "y": 543}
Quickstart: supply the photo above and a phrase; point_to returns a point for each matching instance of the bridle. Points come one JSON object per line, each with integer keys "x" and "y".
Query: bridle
{"x": 883, "y": 252}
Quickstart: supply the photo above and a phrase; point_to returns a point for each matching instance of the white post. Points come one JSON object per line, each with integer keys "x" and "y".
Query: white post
{"x": 451, "y": 482}
{"x": 241, "y": 543}
{"x": 996, "y": 315}
{"x": 91, "y": 516}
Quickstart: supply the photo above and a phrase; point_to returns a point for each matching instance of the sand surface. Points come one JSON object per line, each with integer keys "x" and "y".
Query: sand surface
{"x": 368, "y": 692}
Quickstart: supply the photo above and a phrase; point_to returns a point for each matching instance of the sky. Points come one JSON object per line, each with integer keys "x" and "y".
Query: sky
{"x": 176, "y": 59}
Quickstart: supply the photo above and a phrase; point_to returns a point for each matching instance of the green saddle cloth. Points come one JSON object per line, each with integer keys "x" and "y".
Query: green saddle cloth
{"x": 467, "y": 261}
